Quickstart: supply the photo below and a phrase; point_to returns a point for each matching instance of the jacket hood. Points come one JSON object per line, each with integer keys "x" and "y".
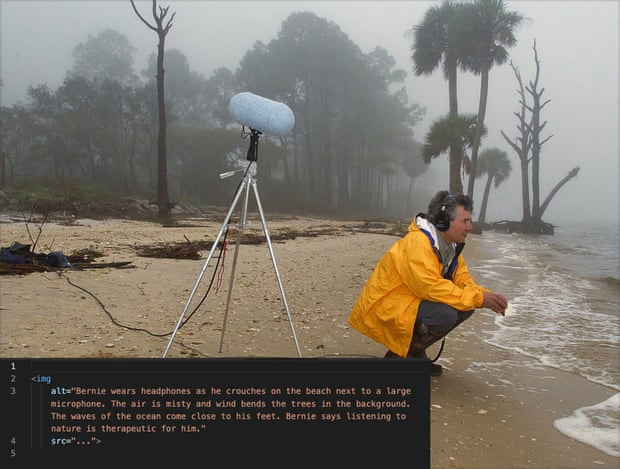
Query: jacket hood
{"x": 421, "y": 223}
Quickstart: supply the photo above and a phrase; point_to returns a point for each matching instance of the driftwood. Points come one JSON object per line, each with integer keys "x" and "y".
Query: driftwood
{"x": 79, "y": 260}
{"x": 20, "y": 269}
{"x": 170, "y": 251}
{"x": 86, "y": 258}
{"x": 192, "y": 249}
{"x": 101, "y": 265}
{"x": 83, "y": 256}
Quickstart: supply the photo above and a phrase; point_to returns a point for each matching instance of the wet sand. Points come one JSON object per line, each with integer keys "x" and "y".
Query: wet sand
{"x": 490, "y": 408}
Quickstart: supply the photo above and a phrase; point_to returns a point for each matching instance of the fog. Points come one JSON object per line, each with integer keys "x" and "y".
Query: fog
{"x": 577, "y": 43}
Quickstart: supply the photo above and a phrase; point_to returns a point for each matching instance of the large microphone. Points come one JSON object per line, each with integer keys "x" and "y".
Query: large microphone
{"x": 261, "y": 114}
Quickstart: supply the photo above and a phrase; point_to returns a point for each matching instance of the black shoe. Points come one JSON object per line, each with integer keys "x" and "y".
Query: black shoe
{"x": 436, "y": 369}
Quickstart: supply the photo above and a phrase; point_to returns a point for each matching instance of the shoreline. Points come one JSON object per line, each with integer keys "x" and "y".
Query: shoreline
{"x": 516, "y": 410}
{"x": 491, "y": 407}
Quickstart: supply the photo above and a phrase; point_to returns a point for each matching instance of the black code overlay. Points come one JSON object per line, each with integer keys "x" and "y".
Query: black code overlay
{"x": 61, "y": 410}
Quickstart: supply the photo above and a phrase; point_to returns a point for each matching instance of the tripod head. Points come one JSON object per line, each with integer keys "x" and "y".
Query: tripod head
{"x": 251, "y": 157}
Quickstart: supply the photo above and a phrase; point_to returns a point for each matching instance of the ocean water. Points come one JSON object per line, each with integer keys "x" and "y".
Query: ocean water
{"x": 564, "y": 294}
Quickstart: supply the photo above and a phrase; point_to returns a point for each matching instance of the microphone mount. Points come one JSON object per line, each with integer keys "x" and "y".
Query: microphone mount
{"x": 253, "y": 149}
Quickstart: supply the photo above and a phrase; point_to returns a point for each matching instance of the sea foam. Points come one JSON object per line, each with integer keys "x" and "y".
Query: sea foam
{"x": 562, "y": 316}
{"x": 597, "y": 425}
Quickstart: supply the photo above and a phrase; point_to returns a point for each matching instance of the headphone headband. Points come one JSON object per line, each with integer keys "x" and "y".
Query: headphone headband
{"x": 442, "y": 219}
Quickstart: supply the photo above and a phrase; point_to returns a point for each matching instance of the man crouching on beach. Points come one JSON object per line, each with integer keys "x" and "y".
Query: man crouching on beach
{"x": 421, "y": 288}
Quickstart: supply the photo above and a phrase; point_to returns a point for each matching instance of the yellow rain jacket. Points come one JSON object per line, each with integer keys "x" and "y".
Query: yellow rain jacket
{"x": 408, "y": 273}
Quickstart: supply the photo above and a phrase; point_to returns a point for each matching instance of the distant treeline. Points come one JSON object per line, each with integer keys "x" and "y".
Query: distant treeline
{"x": 352, "y": 149}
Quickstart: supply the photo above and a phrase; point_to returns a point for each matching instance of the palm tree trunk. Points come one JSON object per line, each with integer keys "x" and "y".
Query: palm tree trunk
{"x": 485, "y": 200}
{"x": 452, "y": 88}
{"x": 456, "y": 157}
{"x": 482, "y": 109}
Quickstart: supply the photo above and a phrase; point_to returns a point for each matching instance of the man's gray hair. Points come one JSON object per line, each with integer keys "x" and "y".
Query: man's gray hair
{"x": 450, "y": 201}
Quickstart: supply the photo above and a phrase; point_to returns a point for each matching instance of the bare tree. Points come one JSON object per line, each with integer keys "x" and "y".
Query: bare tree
{"x": 529, "y": 143}
{"x": 161, "y": 27}
{"x": 521, "y": 146}
{"x": 535, "y": 128}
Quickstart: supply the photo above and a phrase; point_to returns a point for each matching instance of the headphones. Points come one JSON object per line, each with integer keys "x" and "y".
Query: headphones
{"x": 442, "y": 219}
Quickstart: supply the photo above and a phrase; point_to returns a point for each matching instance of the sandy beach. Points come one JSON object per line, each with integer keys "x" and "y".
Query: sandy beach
{"x": 477, "y": 419}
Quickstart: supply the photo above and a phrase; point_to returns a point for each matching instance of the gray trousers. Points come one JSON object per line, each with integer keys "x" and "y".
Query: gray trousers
{"x": 440, "y": 317}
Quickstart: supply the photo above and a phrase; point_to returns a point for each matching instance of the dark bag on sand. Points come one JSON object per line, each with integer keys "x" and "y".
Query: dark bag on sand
{"x": 17, "y": 253}
{"x": 57, "y": 259}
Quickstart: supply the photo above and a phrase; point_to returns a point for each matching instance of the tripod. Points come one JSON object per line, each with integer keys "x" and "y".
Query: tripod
{"x": 248, "y": 181}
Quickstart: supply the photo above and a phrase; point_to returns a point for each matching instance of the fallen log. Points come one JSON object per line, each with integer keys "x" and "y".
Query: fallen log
{"x": 102, "y": 265}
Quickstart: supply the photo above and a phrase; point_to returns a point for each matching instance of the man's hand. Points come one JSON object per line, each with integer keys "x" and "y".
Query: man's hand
{"x": 495, "y": 302}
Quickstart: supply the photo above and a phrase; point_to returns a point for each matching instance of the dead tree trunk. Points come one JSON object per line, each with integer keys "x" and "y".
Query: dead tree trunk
{"x": 521, "y": 146}
{"x": 535, "y": 128}
{"x": 163, "y": 200}
{"x": 530, "y": 141}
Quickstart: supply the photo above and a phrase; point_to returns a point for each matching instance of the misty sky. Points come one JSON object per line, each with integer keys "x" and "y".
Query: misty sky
{"x": 577, "y": 43}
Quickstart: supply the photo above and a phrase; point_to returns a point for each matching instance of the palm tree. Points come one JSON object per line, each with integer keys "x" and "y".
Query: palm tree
{"x": 436, "y": 41}
{"x": 454, "y": 134}
{"x": 489, "y": 31}
{"x": 496, "y": 165}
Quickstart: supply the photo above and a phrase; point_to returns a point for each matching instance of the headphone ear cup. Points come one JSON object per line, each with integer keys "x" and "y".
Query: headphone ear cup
{"x": 442, "y": 220}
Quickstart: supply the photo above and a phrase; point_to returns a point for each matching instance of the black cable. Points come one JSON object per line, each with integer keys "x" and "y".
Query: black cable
{"x": 222, "y": 246}
{"x": 440, "y": 350}
{"x": 61, "y": 274}
{"x": 107, "y": 312}
{"x": 204, "y": 297}
{"x": 114, "y": 321}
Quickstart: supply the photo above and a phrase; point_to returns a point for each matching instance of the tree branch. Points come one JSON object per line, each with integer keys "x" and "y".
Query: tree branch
{"x": 545, "y": 103}
{"x": 141, "y": 18}
{"x": 545, "y": 140}
{"x": 511, "y": 143}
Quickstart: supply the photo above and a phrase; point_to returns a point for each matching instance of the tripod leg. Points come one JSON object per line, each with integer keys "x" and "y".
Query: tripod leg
{"x": 241, "y": 226}
{"x": 275, "y": 265}
{"x": 204, "y": 267}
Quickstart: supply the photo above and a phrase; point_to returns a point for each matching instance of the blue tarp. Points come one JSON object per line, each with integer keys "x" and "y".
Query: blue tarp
{"x": 19, "y": 253}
